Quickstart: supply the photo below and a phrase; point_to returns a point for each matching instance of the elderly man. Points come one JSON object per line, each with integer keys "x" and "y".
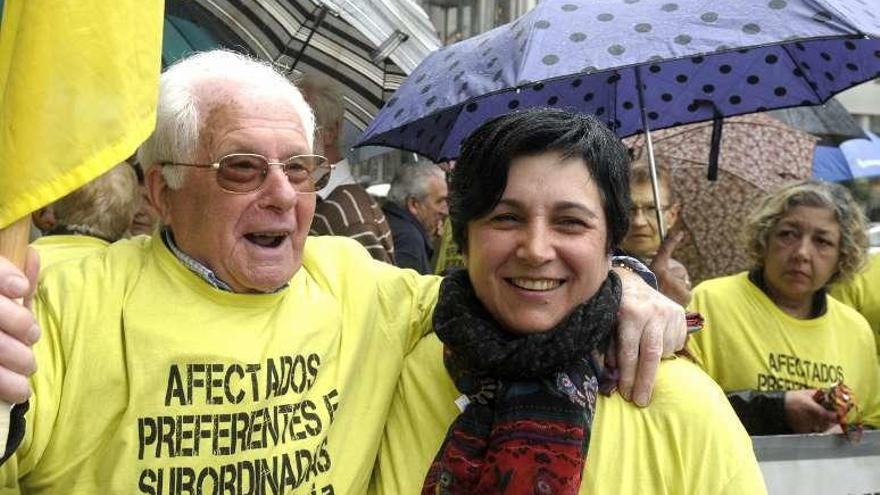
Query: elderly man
{"x": 345, "y": 208}
{"x": 643, "y": 238}
{"x": 230, "y": 354}
{"x": 416, "y": 207}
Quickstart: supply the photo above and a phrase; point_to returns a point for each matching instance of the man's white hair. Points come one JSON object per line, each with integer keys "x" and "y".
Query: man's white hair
{"x": 411, "y": 181}
{"x": 186, "y": 99}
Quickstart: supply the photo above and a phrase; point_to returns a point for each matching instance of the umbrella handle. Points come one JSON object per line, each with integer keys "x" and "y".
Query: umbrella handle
{"x": 13, "y": 246}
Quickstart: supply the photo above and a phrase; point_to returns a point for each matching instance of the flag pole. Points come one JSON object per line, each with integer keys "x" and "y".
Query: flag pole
{"x": 13, "y": 246}
{"x": 14, "y": 241}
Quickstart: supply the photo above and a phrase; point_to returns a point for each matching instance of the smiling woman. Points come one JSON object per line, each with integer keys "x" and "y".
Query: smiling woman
{"x": 773, "y": 336}
{"x": 538, "y": 200}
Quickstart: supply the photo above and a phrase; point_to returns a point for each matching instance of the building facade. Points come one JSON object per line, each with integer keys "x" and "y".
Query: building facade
{"x": 454, "y": 20}
{"x": 863, "y": 102}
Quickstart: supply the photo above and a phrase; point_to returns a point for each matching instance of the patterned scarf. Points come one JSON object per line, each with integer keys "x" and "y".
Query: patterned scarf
{"x": 526, "y": 429}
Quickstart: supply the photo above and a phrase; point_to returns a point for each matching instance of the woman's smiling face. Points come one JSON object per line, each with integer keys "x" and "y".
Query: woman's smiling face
{"x": 543, "y": 249}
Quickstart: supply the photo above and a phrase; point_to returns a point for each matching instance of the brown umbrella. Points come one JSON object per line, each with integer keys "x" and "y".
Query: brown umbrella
{"x": 757, "y": 155}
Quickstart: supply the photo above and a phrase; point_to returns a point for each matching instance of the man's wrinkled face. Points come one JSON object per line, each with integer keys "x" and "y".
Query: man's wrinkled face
{"x": 433, "y": 209}
{"x": 643, "y": 237}
{"x": 252, "y": 241}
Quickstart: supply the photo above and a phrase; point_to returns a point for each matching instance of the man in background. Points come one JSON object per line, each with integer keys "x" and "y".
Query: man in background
{"x": 416, "y": 207}
{"x": 345, "y": 208}
{"x": 643, "y": 238}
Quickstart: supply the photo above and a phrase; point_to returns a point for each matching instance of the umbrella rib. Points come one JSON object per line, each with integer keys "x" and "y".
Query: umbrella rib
{"x": 806, "y": 76}
{"x": 231, "y": 20}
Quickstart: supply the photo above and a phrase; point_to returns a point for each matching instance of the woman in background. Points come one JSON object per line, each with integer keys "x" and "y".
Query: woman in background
{"x": 772, "y": 335}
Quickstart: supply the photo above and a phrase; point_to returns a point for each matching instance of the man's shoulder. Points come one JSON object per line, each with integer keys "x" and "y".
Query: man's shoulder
{"x": 323, "y": 249}
{"x": 347, "y": 196}
{"x": 346, "y": 205}
{"x": 114, "y": 258}
{"x": 338, "y": 257}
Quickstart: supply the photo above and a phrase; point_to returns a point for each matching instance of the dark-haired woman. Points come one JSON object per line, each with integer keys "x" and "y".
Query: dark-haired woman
{"x": 539, "y": 200}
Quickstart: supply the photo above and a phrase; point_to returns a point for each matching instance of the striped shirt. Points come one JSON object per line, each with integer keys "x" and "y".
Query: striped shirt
{"x": 350, "y": 211}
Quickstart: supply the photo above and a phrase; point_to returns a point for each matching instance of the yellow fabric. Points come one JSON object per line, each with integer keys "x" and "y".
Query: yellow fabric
{"x": 688, "y": 441}
{"x": 863, "y": 293}
{"x": 748, "y": 343}
{"x": 78, "y": 87}
{"x": 447, "y": 254}
{"x": 57, "y": 248}
{"x": 149, "y": 377}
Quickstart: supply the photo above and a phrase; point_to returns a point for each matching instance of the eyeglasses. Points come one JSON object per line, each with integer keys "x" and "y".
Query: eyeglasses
{"x": 246, "y": 172}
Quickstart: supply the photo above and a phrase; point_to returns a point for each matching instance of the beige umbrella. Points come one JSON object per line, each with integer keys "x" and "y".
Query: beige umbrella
{"x": 757, "y": 155}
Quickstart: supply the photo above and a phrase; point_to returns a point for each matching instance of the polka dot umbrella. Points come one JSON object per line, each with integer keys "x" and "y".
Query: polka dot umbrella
{"x": 636, "y": 64}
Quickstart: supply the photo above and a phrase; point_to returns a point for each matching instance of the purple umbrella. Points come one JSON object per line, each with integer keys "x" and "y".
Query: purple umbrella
{"x": 636, "y": 64}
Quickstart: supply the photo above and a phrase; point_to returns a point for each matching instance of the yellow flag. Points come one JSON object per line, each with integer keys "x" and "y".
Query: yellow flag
{"x": 79, "y": 81}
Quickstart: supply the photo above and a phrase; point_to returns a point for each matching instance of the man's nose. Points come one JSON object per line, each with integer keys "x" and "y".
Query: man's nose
{"x": 639, "y": 217}
{"x": 277, "y": 191}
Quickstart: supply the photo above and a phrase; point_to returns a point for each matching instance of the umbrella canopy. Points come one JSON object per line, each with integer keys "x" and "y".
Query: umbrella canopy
{"x": 696, "y": 60}
{"x": 830, "y": 164}
{"x": 854, "y": 159}
{"x": 830, "y": 121}
{"x": 757, "y": 155}
{"x": 181, "y": 37}
{"x": 316, "y": 36}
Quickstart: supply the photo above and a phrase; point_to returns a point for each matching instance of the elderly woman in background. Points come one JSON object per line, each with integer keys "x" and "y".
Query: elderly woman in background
{"x": 773, "y": 336}
{"x": 538, "y": 201}
{"x": 91, "y": 217}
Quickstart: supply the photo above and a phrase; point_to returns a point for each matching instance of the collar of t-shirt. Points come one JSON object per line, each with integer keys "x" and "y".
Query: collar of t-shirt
{"x": 198, "y": 267}
{"x": 819, "y": 305}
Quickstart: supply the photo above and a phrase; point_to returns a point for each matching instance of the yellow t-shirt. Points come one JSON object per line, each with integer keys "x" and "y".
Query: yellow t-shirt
{"x": 748, "y": 343}
{"x": 56, "y": 248}
{"x": 863, "y": 294}
{"x": 151, "y": 381}
{"x": 688, "y": 441}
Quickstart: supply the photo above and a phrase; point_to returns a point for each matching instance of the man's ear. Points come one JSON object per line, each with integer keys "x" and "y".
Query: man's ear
{"x": 44, "y": 219}
{"x": 159, "y": 192}
{"x": 330, "y": 134}
{"x": 412, "y": 205}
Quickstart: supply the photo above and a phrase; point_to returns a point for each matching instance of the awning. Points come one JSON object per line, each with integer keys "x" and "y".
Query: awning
{"x": 364, "y": 45}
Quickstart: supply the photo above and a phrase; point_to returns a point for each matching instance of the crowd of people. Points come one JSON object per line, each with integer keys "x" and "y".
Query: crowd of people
{"x": 205, "y": 323}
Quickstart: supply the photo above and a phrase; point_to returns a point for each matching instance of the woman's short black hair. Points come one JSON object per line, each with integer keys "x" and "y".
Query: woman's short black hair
{"x": 480, "y": 175}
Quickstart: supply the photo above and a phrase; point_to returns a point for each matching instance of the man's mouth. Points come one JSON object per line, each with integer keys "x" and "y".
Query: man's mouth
{"x": 270, "y": 239}
{"x": 536, "y": 284}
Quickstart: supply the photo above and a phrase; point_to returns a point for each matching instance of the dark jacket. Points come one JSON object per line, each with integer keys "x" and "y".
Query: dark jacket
{"x": 412, "y": 246}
